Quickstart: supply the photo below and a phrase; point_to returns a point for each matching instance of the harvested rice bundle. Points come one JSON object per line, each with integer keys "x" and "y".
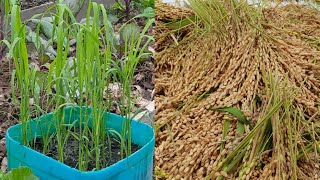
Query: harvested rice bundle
{"x": 169, "y": 14}
{"x": 249, "y": 61}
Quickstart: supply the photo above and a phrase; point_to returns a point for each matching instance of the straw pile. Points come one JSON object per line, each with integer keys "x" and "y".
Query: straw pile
{"x": 210, "y": 69}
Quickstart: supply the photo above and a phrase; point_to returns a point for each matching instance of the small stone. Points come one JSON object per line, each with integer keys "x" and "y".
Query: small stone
{"x": 31, "y": 101}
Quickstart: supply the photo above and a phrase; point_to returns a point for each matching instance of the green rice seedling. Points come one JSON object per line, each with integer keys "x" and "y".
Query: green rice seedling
{"x": 29, "y": 81}
{"x": 60, "y": 75}
{"x": 23, "y": 76}
{"x": 126, "y": 68}
{"x": 60, "y": 63}
{"x": 5, "y": 9}
{"x": 79, "y": 81}
{"x": 95, "y": 69}
{"x": 22, "y": 71}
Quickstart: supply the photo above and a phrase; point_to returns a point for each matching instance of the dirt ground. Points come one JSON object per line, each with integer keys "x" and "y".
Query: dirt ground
{"x": 25, "y": 4}
{"x": 8, "y": 115}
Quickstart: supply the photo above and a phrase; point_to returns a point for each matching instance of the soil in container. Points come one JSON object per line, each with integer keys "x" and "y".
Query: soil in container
{"x": 71, "y": 152}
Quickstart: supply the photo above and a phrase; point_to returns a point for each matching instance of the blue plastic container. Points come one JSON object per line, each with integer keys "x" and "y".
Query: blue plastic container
{"x": 138, "y": 166}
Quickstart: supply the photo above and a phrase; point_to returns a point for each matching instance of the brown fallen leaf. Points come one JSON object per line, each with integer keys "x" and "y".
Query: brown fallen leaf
{"x": 4, "y": 164}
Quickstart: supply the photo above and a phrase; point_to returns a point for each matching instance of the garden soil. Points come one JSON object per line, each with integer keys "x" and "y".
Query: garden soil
{"x": 71, "y": 152}
{"x": 195, "y": 73}
{"x": 8, "y": 113}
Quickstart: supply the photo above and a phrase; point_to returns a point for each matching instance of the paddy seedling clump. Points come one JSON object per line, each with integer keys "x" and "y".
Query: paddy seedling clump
{"x": 79, "y": 80}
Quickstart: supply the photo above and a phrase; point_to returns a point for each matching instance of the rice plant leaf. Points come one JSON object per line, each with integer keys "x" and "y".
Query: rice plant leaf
{"x": 235, "y": 112}
{"x": 115, "y": 134}
{"x": 13, "y": 94}
{"x": 226, "y": 127}
{"x": 240, "y": 128}
{"x": 75, "y": 136}
{"x": 227, "y": 168}
{"x": 70, "y": 125}
{"x": 11, "y": 46}
{"x": 182, "y": 23}
{"x": 14, "y": 2}
{"x": 85, "y": 138}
